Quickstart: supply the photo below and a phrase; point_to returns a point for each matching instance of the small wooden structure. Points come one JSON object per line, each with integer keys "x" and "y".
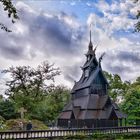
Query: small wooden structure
{"x": 90, "y": 105}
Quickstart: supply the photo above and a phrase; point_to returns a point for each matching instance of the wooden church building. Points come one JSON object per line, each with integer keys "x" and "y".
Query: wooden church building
{"x": 90, "y": 105}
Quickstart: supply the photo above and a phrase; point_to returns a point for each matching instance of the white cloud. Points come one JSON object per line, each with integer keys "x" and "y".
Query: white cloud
{"x": 103, "y": 5}
{"x": 117, "y": 14}
{"x": 37, "y": 37}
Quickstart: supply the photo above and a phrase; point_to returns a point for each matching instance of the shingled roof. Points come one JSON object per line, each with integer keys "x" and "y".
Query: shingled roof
{"x": 91, "y": 107}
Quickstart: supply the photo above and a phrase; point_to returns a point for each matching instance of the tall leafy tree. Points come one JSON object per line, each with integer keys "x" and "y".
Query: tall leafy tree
{"x": 49, "y": 108}
{"x": 117, "y": 88}
{"x": 130, "y": 104}
{"x": 29, "y": 85}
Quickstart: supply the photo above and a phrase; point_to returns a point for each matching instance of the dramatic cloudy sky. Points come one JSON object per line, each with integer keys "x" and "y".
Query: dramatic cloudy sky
{"x": 58, "y": 31}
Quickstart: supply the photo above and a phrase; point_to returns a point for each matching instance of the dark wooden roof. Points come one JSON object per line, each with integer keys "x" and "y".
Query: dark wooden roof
{"x": 89, "y": 81}
{"x": 92, "y": 101}
{"x": 92, "y": 114}
{"x": 92, "y": 107}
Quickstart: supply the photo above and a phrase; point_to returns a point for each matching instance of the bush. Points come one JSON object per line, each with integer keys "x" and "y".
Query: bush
{"x": 7, "y": 109}
{"x": 2, "y": 124}
{"x": 116, "y": 136}
{"x": 38, "y": 125}
{"x": 14, "y": 124}
{"x": 79, "y": 136}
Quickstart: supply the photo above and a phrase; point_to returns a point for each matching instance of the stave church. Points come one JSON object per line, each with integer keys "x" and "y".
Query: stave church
{"x": 90, "y": 105}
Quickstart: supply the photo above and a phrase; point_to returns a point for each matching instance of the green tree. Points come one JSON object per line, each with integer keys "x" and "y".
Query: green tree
{"x": 11, "y": 11}
{"x": 28, "y": 86}
{"x": 130, "y": 105}
{"x": 137, "y": 82}
{"x": 52, "y": 105}
{"x": 131, "y": 102}
{"x": 117, "y": 88}
{"x": 7, "y": 109}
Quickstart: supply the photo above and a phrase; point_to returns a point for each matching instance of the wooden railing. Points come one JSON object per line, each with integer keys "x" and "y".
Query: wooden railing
{"x": 35, "y": 134}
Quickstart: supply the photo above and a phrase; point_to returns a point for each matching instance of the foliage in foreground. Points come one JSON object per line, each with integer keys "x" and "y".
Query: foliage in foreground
{"x": 125, "y": 136}
{"x": 14, "y": 124}
{"x": 80, "y": 136}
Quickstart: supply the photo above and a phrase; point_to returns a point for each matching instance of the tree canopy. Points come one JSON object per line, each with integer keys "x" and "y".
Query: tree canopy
{"x": 50, "y": 107}
{"x": 129, "y": 93}
{"x": 130, "y": 105}
{"x": 7, "y": 109}
{"x": 29, "y": 85}
{"x": 117, "y": 87}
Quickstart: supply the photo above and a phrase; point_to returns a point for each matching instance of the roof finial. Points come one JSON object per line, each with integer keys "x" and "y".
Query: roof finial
{"x": 101, "y": 57}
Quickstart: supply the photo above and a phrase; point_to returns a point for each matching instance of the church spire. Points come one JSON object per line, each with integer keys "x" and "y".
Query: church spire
{"x": 90, "y": 35}
{"x": 90, "y": 46}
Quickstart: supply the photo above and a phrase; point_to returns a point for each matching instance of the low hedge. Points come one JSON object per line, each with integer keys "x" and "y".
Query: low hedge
{"x": 116, "y": 136}
{"x": 125, "y": 136}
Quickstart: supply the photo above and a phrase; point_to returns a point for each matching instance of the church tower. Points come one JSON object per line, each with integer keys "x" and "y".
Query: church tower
{"x": 90, "y": 105}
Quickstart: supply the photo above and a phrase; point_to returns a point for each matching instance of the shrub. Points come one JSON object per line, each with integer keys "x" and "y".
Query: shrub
{"x": 14, "y": 124}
